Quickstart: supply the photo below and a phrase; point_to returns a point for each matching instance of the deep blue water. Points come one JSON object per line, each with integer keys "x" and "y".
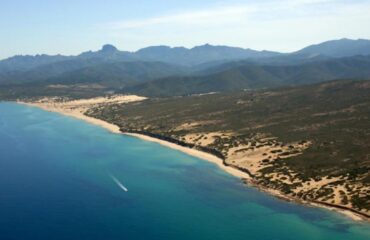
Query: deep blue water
{"x": 55, "y": 184}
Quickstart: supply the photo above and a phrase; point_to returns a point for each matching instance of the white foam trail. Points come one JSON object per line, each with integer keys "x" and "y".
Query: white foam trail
{"x": 119, "y": 184}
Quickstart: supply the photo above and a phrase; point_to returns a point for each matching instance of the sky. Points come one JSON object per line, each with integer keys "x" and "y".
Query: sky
{"x": 70, "y": 27}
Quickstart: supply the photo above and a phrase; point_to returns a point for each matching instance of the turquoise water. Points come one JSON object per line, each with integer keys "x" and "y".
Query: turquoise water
{"x": 55, "y": 183}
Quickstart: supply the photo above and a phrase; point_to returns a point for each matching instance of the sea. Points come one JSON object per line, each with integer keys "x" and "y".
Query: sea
{"x": 62, "y": 178}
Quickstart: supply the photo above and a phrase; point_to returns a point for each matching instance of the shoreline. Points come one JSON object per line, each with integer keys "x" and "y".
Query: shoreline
{"x": 116, "y": 129}
{"x": 194, "y": 152}
{"x": 247, "y": 179}
{"x": 350, "y": 213}
{"x": 111, "y": 127}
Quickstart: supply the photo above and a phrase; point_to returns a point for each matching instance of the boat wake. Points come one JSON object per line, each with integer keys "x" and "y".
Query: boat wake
{"x": 119, "y": 184}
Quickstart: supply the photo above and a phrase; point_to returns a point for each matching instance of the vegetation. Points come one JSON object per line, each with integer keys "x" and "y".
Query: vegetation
{"x": 29, "y": 91}
{"x": 333, "y": 117}
{"x": 244, "y": 75}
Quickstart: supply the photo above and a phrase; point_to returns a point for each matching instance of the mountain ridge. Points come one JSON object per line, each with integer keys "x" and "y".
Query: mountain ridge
{"x": 196, "y": 55}
{"x": 252, "y": 76}
{"x": 179, "y": 70}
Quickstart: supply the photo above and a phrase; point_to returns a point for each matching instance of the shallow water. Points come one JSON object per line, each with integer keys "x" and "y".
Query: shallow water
{"x": 56, "y": 183}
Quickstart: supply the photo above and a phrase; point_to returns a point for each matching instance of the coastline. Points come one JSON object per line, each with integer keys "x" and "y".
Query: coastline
{"x": 196, "y": 153}
{"x": 247, "y": 179}
{"x": 76, "y": 114}
{"x": 116, "y": 129}
{"x": 350, "y": 213}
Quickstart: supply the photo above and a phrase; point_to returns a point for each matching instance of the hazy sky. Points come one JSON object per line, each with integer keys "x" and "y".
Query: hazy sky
{"x": 73, "y": 26}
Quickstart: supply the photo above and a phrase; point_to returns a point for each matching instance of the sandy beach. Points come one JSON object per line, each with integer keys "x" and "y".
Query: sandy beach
{"x": 78, "y": 112}
{"x": 195, "y": 153}
{"x": 77, "y": 108}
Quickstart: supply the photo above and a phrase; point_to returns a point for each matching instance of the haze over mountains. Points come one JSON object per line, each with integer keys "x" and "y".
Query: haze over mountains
{"x": 339, "y": 48}
{"x": 163, "y": 71}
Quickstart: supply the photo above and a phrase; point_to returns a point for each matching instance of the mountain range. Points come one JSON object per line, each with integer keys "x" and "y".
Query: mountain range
{"x": 162, "y": 70}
